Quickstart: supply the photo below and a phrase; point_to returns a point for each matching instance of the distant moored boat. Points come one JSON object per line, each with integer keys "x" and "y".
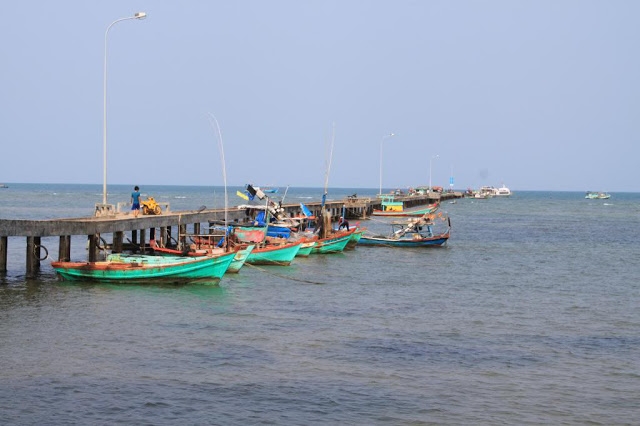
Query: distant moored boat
{"x": 594, "y": 195}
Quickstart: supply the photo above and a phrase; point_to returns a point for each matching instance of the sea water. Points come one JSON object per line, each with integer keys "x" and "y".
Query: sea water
{"x": 529, "y": 315}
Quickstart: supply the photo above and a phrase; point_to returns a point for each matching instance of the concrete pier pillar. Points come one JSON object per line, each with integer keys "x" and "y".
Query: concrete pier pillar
{"x": 182, "y": 233}
{"x": 93, "y": 247}
{"x": 118, "y": 238}
{"x": 163, "y": 236}
{"x": 143, "y": 240}
{"x": 3, "y": 254}
{"x": 34, "y": 254}
{"x": 64, "y": 248}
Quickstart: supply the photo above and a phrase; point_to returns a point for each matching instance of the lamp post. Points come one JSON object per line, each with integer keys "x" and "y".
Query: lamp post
{"x": 383, "y": 138}
{"x": 138, "y": 15}
{"x": 432, "y": 157}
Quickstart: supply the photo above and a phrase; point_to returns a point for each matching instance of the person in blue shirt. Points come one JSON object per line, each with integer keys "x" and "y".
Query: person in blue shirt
{"x": 135, "y": 201}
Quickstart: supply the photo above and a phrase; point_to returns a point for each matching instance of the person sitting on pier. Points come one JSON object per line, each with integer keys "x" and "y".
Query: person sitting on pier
{"x": 343, "y": 223}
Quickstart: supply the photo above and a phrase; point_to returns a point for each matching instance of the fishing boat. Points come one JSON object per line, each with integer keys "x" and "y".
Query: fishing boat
{"x": 267, "y": 250}
{"x": 390, "y": 211}
{"x": 591, "y": 195}
{"x": 268, "y": 190}
{"x": 274, "y": 254}
{"x": 356, "y": 234}
{"x": 334, "y": 243}
{"x": 306, "y": 247}
{"x": 355, "y": 238}
{"x": 205, "y": 246}
{"x": 147, "y": 269}
{"x": 414, "y": 233}
{"x": 2, "y": 185}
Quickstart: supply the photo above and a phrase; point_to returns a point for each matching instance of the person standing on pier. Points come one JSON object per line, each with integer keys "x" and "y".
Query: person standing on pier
{"x": 135, "y": 201}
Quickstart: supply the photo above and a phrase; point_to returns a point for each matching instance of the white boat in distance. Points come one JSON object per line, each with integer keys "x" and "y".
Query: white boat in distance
{"x": 503, "y": 191}
{"x": 490, "y": 192}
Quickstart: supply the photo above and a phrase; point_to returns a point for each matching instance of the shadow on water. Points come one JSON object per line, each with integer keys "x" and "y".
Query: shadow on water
{"x": 20, "y": 288}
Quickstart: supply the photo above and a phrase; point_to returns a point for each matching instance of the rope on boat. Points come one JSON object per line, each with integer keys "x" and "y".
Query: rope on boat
{"x": 282, "y": 276}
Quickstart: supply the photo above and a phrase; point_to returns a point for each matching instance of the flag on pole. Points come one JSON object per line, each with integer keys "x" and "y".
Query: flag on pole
{"x": 242, "y": 195}
{"x": 305, "y": 210}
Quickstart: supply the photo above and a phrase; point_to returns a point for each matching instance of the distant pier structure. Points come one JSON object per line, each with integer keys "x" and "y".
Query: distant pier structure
{"x": 114, "y": 225}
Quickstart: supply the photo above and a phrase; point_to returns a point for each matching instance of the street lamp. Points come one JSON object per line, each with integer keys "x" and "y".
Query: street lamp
{"x": 383, "y": 138}
{"x": 138, "y": 15}
{"x": 434, "y": 156}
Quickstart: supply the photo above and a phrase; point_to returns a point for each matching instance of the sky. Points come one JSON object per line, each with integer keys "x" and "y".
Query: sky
{"x": 538, "y": 95}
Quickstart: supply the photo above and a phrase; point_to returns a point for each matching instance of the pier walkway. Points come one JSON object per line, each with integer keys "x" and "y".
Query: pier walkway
{"x": 115, "y": 224}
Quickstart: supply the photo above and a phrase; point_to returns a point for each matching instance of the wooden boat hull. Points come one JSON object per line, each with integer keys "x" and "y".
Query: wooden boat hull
{"x": 333, "y": 244}
{"x": 274, "y": 254}
{"x": 306, "y": 248}
{"x": 355, "y": 238}
{"x": 146, "y": 269}
{"x": 240, "y": 259}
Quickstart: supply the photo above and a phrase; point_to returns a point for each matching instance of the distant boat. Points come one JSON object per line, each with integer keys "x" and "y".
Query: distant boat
{"x": 391, "y": 208}
{"x": 2, "y": 185}
{"x": 267, "y": 190}
{"x": 503, "y": 191}
{"x": 594, "y": 195}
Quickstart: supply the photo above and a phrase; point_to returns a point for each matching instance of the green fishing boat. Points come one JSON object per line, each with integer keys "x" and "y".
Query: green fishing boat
{"x": 332, "y": 244}
{"x": 274, "y": 254}
{"x": 240, "y": 259}
{"x": 355, "y": 237}
{"x": 306, "y": 247}
{"x": 147, "y": 269}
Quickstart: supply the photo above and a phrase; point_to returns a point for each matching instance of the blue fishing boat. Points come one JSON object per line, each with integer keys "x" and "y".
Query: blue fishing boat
{"x": 415, "y": 233}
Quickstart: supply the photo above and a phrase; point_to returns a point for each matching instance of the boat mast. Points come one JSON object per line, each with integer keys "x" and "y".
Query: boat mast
{"x": 325, "y": 220}
{"x": 212, "y": 120}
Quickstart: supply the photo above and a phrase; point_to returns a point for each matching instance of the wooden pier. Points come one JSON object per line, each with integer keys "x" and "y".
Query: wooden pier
{"x": 159, "y": 227}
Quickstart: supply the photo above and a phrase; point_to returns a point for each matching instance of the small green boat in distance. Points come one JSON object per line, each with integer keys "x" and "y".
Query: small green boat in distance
{"x": 126, "y": 268}
{"x": 591, "y": 195}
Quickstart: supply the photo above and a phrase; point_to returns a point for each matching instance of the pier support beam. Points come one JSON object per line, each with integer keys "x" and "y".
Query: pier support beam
{"x": 118, "y": 238}
{"x": 163, "y": 237}
{"x": 3, "y": 254}
{"x": 33, "y": 255}
{"x": 169, "y": 237}
{"x": 182, "y": 236}
{"x": 143, "y": 239}
{"x": 93, "y": 247}
{"x": 64, "y": 248}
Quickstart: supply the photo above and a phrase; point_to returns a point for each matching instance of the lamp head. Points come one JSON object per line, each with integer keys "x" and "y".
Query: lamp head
{"x": 140, "y": 15}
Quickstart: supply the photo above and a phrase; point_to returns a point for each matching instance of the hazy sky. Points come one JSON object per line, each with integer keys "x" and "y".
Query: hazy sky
{"x": 540, "y": 95}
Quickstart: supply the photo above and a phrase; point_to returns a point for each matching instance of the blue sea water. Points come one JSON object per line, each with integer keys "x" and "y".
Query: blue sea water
{"x": 529, "y": 316}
